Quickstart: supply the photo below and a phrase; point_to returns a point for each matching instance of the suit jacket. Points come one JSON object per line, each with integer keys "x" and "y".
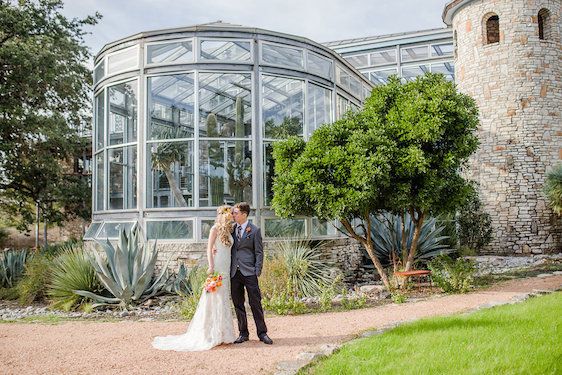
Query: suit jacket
{"x": 247, "y": 253}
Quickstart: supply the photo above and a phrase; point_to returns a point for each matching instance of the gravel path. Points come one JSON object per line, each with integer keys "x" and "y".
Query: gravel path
{"x": 124, "y": 347}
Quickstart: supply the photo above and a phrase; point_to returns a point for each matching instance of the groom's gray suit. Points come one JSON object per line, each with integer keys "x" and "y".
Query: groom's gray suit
{"x": 245, "y": 267}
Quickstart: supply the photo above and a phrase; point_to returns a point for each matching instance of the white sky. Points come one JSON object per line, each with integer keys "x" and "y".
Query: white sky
{"x": 319, "y": 20}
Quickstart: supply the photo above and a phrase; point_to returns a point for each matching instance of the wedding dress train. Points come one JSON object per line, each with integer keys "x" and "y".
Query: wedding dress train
{"x": 213, "y": 322}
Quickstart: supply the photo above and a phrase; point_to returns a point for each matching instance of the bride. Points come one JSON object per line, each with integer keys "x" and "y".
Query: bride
{"x": 212, "y": 323}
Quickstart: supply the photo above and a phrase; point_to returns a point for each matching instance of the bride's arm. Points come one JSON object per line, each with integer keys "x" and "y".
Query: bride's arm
{"x": 210, "y": 252}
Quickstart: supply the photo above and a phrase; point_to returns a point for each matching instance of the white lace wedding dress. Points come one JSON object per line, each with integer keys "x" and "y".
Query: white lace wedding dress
{"x": 213, "y": 322}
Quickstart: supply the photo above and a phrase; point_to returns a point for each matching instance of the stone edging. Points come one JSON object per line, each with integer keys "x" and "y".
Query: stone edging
{"x": 305, "y": 358}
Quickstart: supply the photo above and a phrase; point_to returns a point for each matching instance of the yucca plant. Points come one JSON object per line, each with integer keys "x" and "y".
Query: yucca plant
{"x": 72, "y": 270}
{"x": 12, "y": 267}
{"x": 386, "y": 233}
{"x": 127, "y": 271}
{"x": 553, "y": 188}
{"x": 307, "y": 272}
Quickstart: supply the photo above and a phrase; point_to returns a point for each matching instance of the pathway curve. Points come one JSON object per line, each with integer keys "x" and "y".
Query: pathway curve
{"x": 124, "y": 347}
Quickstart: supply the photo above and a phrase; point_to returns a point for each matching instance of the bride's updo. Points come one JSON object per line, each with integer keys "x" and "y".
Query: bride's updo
{"x": 223, "y": 224}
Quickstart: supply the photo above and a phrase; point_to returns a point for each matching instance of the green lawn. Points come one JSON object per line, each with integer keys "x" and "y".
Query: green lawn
{"x": 525, "y": 338}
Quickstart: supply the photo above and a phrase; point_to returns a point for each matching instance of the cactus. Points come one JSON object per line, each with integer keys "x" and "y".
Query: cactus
{"x": 127, "y": 271}
{"x": 12, "y": 266}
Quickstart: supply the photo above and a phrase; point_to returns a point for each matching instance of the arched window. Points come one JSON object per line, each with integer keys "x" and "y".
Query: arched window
{"x": 492, "y": 29}
{"x": 545, "y": 24}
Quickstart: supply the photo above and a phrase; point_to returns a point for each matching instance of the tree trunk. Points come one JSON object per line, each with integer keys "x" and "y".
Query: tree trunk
{"x": 180, "y": 200}
{"x": 404, "y": 242}
{"x": 365, "y": 241}
{"x": 45, "y": 231}
{"x": 418, "y": 225}
{"x": 37, "y": 221}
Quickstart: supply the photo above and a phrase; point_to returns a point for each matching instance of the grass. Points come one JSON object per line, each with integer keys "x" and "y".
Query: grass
{"x": 513, "y": 339}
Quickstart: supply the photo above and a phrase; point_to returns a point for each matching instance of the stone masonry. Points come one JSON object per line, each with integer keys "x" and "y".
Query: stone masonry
{"x": 517, "y": 87}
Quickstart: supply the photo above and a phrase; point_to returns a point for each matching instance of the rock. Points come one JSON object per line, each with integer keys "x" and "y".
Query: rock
{"x": 543, "y": 275}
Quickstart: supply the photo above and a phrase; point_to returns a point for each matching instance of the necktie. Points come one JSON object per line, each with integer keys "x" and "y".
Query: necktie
{"x": 239, "y": 231}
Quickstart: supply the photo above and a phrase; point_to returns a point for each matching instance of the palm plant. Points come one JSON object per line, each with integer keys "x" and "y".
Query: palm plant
{"x": 393, "y": 235}
{"x": 12, "y": 267}
{"x": 307, "y": 272}
{"x": 164, "y": 157}
{"x": 553, "y": 188}
{"x": 127, "y": 271}
{"x": 70, "y": 271}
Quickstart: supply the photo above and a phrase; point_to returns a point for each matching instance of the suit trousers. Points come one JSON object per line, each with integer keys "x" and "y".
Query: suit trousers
{"x": 237, "y": 284}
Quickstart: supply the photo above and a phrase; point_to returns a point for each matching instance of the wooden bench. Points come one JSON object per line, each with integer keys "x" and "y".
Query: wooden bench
{"x": 416, "y": 273}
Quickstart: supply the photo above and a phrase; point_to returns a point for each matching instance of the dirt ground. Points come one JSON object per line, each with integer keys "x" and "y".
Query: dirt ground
{"x": 124, "y": 347}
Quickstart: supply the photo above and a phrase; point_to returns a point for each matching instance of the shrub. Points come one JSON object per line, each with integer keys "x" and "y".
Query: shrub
{"x": 12, "y": 267}
{"x": 3, "y": 236}
{"x": 398, "y": 297}
{"x": 352, "y": 303}
{"x": 284, "y": 304}
{"x": 453, "y": 276}
{"x": 474, "y": 224}
{"x": 72, "y": 270}
{"x": 33, "y": 285}
{"x": 196, "y": 279}
{"x": 275, "y": 276}
{"x": 553, "y": 188}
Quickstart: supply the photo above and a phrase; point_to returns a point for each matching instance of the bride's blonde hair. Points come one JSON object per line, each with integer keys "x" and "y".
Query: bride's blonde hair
{"x": 223, "y": 224}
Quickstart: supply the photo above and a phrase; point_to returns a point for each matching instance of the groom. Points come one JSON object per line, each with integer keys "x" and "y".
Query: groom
{"x": 245, "y": 267}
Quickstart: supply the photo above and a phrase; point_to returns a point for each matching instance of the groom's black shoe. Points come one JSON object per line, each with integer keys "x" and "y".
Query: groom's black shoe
{"x": 241, "y": 339}
{"x": 265, "y": 339}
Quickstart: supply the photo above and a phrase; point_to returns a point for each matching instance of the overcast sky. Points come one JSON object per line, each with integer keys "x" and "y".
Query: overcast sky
{"x": 319, "y": 20}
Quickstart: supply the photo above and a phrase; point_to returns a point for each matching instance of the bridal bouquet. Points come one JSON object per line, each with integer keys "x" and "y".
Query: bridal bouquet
{"x": 213, "y": 282}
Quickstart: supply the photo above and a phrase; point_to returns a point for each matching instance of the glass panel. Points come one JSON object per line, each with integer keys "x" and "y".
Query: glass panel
{"x": 123, "y": 113}
{"x": 285, "y": 56}
{"x": 366, "y": 91}
{"x": 268, "y": 172}
{"x": 319, "y": 65}
{"x": 446, "y": 68}
{"x": 355, "y": 86}
{"x": 323, "y": 228}
{"x": 284, "y": 227}
{"x": 177, "y": 52}
{"x": 357, "y": 61}
{"x": 342, "y": 77}
{"x": 223, "y": 50}
{"x": 442, "y": 49}
{"x": 123, "y": 60}
{"x": 342, "y": 106}
{"x": 92, "y": 230}
{"x": 387, "y": 56}
{"x": 319, "y": 107}
{"x": 411, "y": 72}
{"x": 381, "y": 77}
{"x": 122, "y": 177}
{"x": 225, "y": 105}
{"x": 111, "y": 230}
{"x": 100, "y": 182}
{"x": 225, "y": 172}
{"x": 206, "y": 225}
{"x": 99, "y": 120}
{"x": 99, "y": 71}
{"x": 283, "y": 106}
{"x": 170, "y": 106}
{"x": 169, "y": 230}
{"x": 170, "y": 171}
{"x": 415, "y": 53}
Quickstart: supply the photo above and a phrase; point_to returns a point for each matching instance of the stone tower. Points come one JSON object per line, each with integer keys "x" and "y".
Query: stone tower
{"x": 508, "y": 57}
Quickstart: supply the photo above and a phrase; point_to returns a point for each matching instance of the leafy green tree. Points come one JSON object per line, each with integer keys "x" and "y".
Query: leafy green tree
{"x": 403, "y": 152}
{"x": 45, "y": 87}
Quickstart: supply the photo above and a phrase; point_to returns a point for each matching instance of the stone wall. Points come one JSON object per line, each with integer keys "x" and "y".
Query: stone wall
{"x": 517, "y": 87}
{"x": 498, "y": 264}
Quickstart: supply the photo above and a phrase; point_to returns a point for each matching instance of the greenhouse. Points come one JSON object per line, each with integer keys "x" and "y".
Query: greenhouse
{"x": 184, "y": 121}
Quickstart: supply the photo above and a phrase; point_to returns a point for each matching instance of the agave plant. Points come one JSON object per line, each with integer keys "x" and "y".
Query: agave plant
{"x": 553, "y": 188}
{"x": 307, "y": 272}
{"x": 12, "y": 267}
{"x": 127, "y": 271}
{"x": 72, "y": 270}
{"x": 183, "y": 282}
{"x": 386, "y": 233}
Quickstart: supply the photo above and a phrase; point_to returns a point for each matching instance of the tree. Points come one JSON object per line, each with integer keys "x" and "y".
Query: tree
{"x": 45, "y": 87}
{"x": 433, "y": 126}
{"x": 403, "y": 152}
